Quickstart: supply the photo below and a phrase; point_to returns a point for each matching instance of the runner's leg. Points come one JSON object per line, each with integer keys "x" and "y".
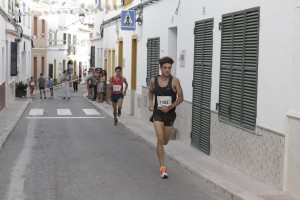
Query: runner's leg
{"x": 167, "y": 134}
{"x": 120, "y": 104}
{"x": 159, "y": 129}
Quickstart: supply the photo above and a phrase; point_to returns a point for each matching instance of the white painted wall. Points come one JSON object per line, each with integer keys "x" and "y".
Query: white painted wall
{"x": 58, "y": 55}
{"x": 292, "y": 161}
{"x": 294, "y": 92}
{"x": 98, "y": 52}
{"x": 83, "y": 50}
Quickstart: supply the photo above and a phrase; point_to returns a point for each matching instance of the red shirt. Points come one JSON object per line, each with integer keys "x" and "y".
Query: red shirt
{"x": 117, "y": 85}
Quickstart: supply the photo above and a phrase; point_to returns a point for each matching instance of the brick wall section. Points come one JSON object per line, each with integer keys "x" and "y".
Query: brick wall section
{"x": 259, "y": 154}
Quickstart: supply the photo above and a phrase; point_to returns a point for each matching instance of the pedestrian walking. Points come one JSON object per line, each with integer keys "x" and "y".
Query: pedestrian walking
{"x": 65, "y": 84}
{"x": 168, "y": 94}
{"x": 75, "y": 82}
{"x": 50, "y": 85}
{"x": 102, "y": 86}
{"x": 95, "y": 82}
{"x": 31, "y": 85}
{"x": 42, "y": 83}
{"x": 117, "y": 92}
{"x": 90, "y": 82}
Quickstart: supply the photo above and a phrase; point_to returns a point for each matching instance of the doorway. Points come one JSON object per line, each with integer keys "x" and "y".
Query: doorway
{"x": 172, "y": 47}
{"x": 133, "y": 73}
{"x": 50, "y": 70}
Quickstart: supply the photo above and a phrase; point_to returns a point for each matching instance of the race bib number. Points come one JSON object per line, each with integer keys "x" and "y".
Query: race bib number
{"x": 117, "y": 88}
{"x": 32, "y": 84}
{"x": 164, "y": 101}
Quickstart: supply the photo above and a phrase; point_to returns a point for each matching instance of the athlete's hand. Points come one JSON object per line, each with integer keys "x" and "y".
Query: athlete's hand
{"x": 124, "y": 94}
{"x": 165, "y": 109}
{"x": 151, "y": 108}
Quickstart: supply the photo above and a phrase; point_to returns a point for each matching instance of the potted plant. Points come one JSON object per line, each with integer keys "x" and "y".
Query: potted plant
{"x": 21, "y": 89}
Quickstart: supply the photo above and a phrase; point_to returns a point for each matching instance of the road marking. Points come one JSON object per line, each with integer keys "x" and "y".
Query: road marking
{"x": 91, "y": 112}
{"x": 36, "y": 112}
{"x": 64, "y": 117}
{"x": 64, "y": 112}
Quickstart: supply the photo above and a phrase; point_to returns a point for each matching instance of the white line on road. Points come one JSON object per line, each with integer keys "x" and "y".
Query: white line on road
{"x": 91, "y": 112}
{"x": 65, "y": 117}
{"x": 36, "y": 112}
{"x": 64, "y": 112}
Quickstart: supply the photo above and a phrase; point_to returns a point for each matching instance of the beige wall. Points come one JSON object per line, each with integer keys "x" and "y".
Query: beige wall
{"x": 292, "y": 158}
{"x": 40, "y": 39}
{"x": 39, "y": 53}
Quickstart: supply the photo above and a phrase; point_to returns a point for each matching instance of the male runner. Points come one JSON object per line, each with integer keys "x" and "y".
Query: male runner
{"x": 168, "y": 94}
{"x": 117, "y": 92}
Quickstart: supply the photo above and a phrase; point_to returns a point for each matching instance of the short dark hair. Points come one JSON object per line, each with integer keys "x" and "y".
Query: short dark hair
{"x": 118, "y": 67}
{"x": 41, "y": 74}
{"x": 166, "y": 59}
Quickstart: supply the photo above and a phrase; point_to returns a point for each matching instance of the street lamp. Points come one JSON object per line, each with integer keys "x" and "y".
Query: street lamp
{"x": 81, "y": 20}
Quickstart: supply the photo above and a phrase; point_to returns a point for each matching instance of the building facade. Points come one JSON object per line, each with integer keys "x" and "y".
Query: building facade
{"x": 239, "y": 79}
{"x": 15, "y": 49}
{"x": 39, "y": 47}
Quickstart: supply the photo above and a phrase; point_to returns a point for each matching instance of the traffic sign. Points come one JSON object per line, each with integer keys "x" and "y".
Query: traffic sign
{"x": 128, "y": 20}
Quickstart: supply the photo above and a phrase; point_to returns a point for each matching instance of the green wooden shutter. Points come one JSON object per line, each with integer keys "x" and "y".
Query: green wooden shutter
{"x": 92, "y": 61}
{"x": 250, "y": 68}
{"x": 153, "y": 53}
{"x": 239, "y": 60}
{"x": 13, "y": 58}
{"x": 202, "y": 85}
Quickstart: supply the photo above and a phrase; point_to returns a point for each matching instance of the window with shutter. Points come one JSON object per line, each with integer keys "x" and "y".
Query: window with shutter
{"x": 92, "y": 61}
{"x": 13, "y": 58}
{"x": 203, "y": 45}
{"x": 65, "y": 38}
{"x": 238, "y": 71}
{"x": 153, "y": 53}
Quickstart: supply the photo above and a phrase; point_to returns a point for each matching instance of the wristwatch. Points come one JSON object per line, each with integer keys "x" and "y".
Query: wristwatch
{"x": 170, "y": 107}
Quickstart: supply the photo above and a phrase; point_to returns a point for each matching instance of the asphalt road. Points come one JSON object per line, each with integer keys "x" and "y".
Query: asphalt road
{"x": 58, "y": 151}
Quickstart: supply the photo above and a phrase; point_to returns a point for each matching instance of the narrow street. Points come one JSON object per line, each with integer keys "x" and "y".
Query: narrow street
{"x": 69, "y": 149}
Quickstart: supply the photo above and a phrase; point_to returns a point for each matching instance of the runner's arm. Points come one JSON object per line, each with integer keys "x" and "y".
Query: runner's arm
{"x": 126, "y": 84}
{"x": 109, "y": 83}
{"x": 150, "y": 95}
{"x": 179, "y": 91}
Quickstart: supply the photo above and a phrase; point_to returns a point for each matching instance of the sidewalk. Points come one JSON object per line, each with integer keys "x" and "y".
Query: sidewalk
{"x": 9, "y": 117}
{"x": 220, "y": 176}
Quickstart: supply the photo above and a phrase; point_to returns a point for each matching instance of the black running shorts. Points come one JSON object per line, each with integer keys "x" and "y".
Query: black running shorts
{"x": 115, "y": 97}
{"x": 167, "y": 118}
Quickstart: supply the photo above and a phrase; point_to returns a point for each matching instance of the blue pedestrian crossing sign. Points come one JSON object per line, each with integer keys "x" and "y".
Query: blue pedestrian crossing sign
{"x": 128, "y": 20}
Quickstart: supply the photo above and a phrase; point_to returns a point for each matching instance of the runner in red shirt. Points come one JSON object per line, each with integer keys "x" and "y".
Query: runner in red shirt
{"x": 117, "y": 92}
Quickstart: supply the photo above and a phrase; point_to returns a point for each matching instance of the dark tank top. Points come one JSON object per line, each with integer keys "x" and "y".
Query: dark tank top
{"x": 164, "y": 95}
